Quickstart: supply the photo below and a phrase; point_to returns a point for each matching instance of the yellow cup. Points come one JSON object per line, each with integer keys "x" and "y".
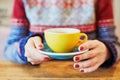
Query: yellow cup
{"x": 62, "y": 40}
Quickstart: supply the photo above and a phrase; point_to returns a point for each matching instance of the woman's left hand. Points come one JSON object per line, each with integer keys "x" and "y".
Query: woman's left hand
{"x": 92, "y": 59}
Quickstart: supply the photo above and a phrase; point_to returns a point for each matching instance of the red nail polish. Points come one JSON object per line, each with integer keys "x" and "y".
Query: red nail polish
{"x": 77, "y": 58}
{"x": 81, "y": 48}
{"x": 76, "y": 65}
{"x": 82, "y": 70}
{"x": 47, "y": 58}
{"x": 40, "y": 46}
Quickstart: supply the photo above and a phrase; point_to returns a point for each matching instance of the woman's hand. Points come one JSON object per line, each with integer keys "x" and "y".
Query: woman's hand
{"x": 31, "y": 51}
{"x": 92, "y": 59}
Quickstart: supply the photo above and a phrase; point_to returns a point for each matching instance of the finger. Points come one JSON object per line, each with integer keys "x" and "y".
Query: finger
{"x": 28, "y": 47}
{"x": 39, "y": 60}
{"x": 30, "y": 44}
{"x": 33, "y": 60}
{"x": 86, "y": 55}
{"x": 91, "y": 44}
{"x": 35, "y": 63}
{"x": 86, "y": 63}
{"x": 30, "y": 59}
{"x": 89, "y": 69}
{"x": 35, "y": 55}
{"x": 38, "y": 42}
{"x": 27, "y": 53}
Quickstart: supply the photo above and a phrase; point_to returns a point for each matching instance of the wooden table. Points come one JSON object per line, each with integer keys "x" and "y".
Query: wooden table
{"x": 56, "y": 70}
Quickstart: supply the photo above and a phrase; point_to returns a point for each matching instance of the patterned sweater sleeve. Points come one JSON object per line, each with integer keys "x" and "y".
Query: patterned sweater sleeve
{"x": 106, "y": 30}
{"x": 19, "y": 30}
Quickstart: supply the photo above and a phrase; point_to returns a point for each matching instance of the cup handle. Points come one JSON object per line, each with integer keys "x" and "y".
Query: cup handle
{"x": 81, "y": 41}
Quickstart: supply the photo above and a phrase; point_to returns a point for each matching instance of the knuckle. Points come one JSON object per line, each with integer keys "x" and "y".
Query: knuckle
{"x": 96, "y": 41}
{"x": 83, "y": 65}
{"x": 92, "y": 62}
{"x": 83, "y": 57}
{"x": 28, "y": 59}
{"x": 37, "y": 37}
{"x": 88, "y": 64}
{"x": 33, "y": 63}
{"x": 28, "y": 55}
{"x": 86, "y": 56}
{"x": 30, "y": 39}
{"x": 90, "y": 54}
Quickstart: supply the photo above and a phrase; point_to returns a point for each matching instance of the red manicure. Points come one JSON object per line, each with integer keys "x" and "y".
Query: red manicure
{"x": 77, "y": 66}
{"x": 81, "y": 48}
{"x": 40, "y": 46}
{"x": 82, "y": 70}
{"x": 77, "y": 58}
{"x": 47, "y": 58}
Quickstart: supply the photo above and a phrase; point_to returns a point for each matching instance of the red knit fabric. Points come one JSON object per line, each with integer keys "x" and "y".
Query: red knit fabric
{"x": 18, "y": 10}
{"x": 19, "y": 15}
{"x": 102, "y": 9}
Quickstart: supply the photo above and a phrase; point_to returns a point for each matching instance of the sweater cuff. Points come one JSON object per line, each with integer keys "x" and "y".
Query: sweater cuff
{"x": 22, "y": 43}
{"x": 113, "y": 54}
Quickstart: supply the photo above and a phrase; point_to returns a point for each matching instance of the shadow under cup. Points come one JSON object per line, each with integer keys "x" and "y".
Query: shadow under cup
{"x": 64, "y": 40}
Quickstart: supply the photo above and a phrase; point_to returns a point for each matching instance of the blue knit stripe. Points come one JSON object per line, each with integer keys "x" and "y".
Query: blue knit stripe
{"x": 17, "y": 33}
{"x": 11, "y": 48}
{"x": 107, "y": 33}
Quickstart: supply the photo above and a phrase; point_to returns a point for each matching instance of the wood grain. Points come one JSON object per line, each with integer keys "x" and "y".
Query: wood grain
{"x": 54, "y": 70}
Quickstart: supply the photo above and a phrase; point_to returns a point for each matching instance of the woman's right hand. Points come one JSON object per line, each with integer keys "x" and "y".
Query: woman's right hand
{"x": 31, "y": 51}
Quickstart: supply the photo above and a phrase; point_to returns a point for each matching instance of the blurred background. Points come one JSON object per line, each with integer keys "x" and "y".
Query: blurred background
{"x": 5, "y": 14}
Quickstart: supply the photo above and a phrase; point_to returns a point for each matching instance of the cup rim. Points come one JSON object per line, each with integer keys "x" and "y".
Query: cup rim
{"x": 69, "y": 30}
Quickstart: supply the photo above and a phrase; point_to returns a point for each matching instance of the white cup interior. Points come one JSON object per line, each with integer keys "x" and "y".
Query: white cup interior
{"x": 63, "y": 30}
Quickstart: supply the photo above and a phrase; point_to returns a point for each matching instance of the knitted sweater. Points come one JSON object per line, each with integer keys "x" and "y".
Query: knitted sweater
{"x": 32, "y": 17}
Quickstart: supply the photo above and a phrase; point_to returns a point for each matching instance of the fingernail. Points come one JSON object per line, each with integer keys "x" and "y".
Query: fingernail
{"x": 82, "y": 70}
{"x": 76, "y": 58}
{"x": 81, "y": 48}
{"x": 76, "y": 66}
{"x": 40, "y": 46}
{"x": 47, "y": 58}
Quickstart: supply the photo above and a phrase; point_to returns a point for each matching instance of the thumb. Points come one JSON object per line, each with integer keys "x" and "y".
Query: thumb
{"x": 38, "y": 42}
